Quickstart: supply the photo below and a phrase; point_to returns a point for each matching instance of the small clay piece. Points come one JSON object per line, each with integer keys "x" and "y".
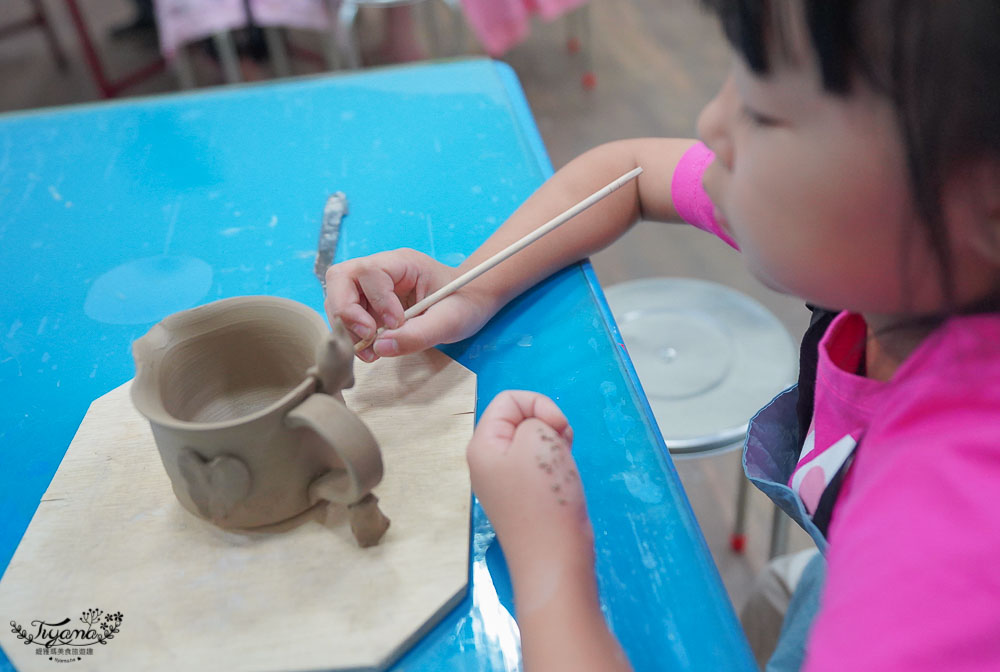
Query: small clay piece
{"x": 368, "y": 523}
{"x": 335, "y": 361}
{"x": 244, "y": 399}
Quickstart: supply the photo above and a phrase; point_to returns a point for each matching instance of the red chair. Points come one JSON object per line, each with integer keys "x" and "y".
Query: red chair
{"x": 38, "y": 19}
{"x": 109, "y": 88}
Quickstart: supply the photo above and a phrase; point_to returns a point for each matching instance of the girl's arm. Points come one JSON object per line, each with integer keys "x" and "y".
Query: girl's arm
{"x": 648, "y": 197}
{"x": 374, "y": 291}
{"x": 526, "y": 481}
{"x": 567, "y": 631}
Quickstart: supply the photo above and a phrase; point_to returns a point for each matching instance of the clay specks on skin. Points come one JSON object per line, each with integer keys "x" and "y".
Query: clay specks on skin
{"x": 552, "y": 464}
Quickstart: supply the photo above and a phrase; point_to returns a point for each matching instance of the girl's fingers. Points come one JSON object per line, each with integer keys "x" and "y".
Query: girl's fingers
{"x": 367, "y": 354}
{"x": 440, "y": 324}
{"x": 369, "y": 293}
{"x": 341, "y": 291}
{"x": 512, "y": 407}
{"x": 379, "y": 290}
{"x": 358, "y": 321}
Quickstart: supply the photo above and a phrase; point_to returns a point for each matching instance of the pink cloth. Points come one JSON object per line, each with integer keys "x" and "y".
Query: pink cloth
{"x": 689, "y": 197}
{"x": 912, "y": 581}
{"x": 302, "y": 14}
{"x": 500, "y": 24}
{"x": 183, "y": 21}
{"x": 831, "y": 440}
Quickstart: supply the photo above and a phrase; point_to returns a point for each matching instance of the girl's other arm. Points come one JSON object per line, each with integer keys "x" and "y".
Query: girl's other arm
{"x": 526, "y": 481}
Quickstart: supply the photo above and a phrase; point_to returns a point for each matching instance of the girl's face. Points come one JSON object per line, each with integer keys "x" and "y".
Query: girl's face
{"x": 814, "y": 188}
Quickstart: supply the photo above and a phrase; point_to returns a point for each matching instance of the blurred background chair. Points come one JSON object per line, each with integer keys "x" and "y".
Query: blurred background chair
{"x": 37, "y": 19}
{"x": 501, "y": 24}
{"x": 267, "y": 23}
{"x": 497, "y": 25}
{"x": 41, "y": 17}
{"x": 344, "y": 50}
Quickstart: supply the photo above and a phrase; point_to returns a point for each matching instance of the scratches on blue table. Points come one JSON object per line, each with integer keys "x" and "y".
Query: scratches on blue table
{"x": 144, "y": 290}
{"x": 113, "y": 216}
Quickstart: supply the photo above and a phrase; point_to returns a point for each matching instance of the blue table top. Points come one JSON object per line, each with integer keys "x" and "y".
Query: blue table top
{"x": 114, "y": 215}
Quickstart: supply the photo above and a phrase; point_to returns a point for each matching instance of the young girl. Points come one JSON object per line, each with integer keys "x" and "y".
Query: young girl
{"x": 853, "y": 156}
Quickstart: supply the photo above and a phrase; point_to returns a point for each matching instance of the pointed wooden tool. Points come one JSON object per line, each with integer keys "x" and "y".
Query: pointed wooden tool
{"x": 505, "y": 253}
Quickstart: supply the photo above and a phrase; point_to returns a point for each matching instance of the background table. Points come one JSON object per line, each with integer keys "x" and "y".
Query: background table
{"x": 115, "y": 215}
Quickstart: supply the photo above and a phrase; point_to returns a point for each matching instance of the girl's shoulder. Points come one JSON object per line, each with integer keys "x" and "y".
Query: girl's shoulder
{"x": 914, "y": 536}
{"x": 947, "y": 392}
{"x": 964, "y": 344}
{"x": 936, "y": 429}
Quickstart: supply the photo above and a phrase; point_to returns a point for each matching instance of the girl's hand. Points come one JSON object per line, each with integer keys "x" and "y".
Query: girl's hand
{"x": 374, "y": 291}
{"x": 526, "y": 480}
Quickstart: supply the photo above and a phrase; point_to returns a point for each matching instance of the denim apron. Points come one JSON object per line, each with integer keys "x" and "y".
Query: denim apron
{"x": 770, "y": 454}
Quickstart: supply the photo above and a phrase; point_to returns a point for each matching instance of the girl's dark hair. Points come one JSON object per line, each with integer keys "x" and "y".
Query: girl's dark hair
{"x": 938, "y": 62}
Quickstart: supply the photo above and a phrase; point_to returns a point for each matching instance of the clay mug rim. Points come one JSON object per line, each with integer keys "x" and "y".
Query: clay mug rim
{"x": 145, "y": 347}
{"x": 307, "y": 404}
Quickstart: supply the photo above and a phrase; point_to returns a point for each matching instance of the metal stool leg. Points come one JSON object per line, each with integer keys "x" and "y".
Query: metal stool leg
{"x": 182, "y": 68}
{"x": 779, "y": 524}
{"x": 275, "y": 42}
{"x": 429, "y": 18}
{"x": 343, "y": 33}
{"x": 227, "y": 57}
{"x": 572, "y": 33}
{"x": 331, "y": 49}
{"x": 457, "y": 27}
{"x": 579, "y": 41}
{"x": 589, "y": 79}
{"x": 738, "y": 539}
{"x": 779, "y": 533}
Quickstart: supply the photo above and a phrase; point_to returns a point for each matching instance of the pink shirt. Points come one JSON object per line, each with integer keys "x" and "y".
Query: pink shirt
{"x": 913, "y": 581}
{"x": 912, "y": 578}
{"x": 501, "y": 24}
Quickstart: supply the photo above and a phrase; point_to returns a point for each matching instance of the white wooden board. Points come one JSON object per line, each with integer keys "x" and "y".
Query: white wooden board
{"x": 110, "y": 535}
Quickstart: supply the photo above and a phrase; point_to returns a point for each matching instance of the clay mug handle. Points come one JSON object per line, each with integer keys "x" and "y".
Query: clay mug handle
{"x": 347, "y": 436}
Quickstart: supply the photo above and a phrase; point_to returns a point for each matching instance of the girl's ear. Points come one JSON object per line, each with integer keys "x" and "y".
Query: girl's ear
{"x": 972, "y": 209}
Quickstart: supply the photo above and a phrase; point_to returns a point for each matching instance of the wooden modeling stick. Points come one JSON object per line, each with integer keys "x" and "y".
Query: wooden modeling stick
{"x": 505, "y": 253}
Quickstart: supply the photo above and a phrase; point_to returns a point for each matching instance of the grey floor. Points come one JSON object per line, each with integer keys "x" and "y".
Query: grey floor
{"x": 657, "y": 62}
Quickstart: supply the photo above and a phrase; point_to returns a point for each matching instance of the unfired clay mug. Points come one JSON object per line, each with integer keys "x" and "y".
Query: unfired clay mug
{"x": 243, "y": 397}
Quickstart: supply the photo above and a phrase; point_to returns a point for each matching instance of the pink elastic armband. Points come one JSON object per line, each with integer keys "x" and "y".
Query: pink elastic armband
{"x": 690, "y": 200}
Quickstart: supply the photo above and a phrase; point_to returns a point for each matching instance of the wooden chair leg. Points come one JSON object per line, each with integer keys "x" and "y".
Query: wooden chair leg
{"x": 107, "y": 87}
{"x": 738, "y": 539}
{"x": 42, "y": 18}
